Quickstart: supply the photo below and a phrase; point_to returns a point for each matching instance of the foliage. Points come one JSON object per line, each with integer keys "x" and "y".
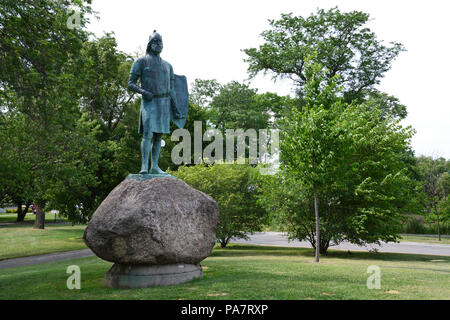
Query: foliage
{"x": 351, "y": 158}
{"x": 202, "y": 91}
{"x": 235, "y": 188}
{"x": 235, "y": 107}
{"x": 389, "y": 106}
{"x": 17, "y": 183}
{"x": 345, "y": 46}
{"x": 435, "y": 177}
{"x": 39, "y": 73}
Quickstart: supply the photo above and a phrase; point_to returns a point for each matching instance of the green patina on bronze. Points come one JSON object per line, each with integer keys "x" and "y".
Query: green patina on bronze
{"x": 164, "y": 98}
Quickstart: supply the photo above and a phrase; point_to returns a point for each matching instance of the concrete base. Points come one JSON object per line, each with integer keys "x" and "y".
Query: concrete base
{"x": 144, "y": 276}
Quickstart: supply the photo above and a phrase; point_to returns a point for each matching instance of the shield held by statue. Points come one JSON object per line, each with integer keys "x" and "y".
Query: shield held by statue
{"x": 182, "y": 101}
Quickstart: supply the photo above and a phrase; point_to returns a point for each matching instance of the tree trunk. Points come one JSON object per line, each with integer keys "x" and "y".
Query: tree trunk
{"x": 316, "y": 210}
{"x": 40, "y": 215}
{"x": 224, "y": 242}
{"x": 438, "y": 224}
{"x": 22, "y": 213}
{"x": 324, "y": 247}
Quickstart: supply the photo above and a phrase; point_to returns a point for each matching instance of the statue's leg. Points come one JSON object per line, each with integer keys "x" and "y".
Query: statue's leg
{"x": 156, "y": 150}
{"x": 146, "y": 146}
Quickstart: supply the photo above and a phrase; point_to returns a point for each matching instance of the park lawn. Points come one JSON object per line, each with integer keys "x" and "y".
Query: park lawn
{"x": 22, "y": 240}
{"x": 30, "y": 217}
{"x": 251, "y": 272}
{"x": 424, "y": 239}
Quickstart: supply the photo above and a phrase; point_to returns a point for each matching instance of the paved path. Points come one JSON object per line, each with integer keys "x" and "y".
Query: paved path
{"x": 51, "y": 257}
{"x": 260, "y": 238}
{"x": 279, "y": 239}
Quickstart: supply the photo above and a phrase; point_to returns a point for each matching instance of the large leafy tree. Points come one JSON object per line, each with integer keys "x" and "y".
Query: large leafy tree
{"x": 344, "y": 45}
{"x": 235, "y": 188}
{"x": 114, "y": 112}
{"x": 38, "y": 64}
{"x": 343, "y": 176}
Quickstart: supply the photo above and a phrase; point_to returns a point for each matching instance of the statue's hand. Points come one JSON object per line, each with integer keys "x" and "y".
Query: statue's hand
{"x": 177, "y": 114}
{"x": 147, "y": 95}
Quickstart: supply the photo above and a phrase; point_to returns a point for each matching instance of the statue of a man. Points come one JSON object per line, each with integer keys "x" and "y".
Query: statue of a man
{"x": 159, "y": 101}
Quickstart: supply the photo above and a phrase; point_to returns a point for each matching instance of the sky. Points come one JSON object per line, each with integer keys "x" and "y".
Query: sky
{"x": 204, "y": 39}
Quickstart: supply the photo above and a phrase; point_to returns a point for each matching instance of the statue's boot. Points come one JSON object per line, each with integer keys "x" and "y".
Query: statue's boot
{"x": 156, "y": 150}
{"x": 146, "y": 146}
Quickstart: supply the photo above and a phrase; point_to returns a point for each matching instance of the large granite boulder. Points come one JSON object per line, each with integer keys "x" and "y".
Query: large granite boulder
{"x": 159, "y": 221}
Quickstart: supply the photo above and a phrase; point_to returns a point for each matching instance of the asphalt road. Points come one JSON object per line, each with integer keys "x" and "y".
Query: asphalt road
{"x": 262, "y": 238}
{"x": 279, "y": 239}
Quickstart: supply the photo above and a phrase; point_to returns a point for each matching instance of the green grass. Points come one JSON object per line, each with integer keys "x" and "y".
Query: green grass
{"x": 251, "y": 272}
{"x": 425, "y": 239}
{"x": 11, "y": 217}
{"x": 22, "y": 240}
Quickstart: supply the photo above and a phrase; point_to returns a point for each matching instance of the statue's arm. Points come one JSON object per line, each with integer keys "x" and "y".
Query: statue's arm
{"x": 132, "y": 82}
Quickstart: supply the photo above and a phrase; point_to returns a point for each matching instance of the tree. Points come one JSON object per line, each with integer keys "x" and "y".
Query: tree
{"x": 344, "y": 46}
{"x": 235, "y": 188}
{"x": 38, "y": 64}
{"x": 16, "y": 180}
{"x": 203, "y": 91}
{"x": 436, "y": 183}
{"x": 389, "y": 106}
{"x": 346, "y": 166}
{"x": 108, "y": 106}
{"x": 235, "y": 106}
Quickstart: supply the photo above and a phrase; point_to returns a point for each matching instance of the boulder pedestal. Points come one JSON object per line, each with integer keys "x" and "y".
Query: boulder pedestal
{"x": 141, "y": 276}
{"x": 155, "y": 229}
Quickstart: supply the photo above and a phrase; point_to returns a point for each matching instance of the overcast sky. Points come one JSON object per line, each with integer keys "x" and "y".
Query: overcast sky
{"x": 203, "y": 39}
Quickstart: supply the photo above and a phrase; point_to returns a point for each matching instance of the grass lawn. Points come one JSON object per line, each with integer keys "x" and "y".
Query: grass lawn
{"x": 11, "y": 217}
{"x": 251, "y": 272}
{"x": 426, "y": 239}
{"x": 22, "y": 240}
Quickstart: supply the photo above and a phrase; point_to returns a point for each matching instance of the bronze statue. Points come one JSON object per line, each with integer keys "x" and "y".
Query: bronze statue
{"x": 164, "y": 98}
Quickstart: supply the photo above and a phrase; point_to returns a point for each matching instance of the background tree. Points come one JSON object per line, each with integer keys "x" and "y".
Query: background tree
{"x": 236, "y": 106}
{"x": 17, "y": 184}
{"x": 38, "y": 63}
{"x": 108, "y": 106}
{"x": 345, "y": 46}
{"x": 203, "y": 91}
{"x": 389, "y": 106}
{"x": 436, "y": 183}
{"x": 235, "y": 188}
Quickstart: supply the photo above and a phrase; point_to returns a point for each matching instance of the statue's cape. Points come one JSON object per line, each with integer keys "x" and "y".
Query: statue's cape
{"x": 182, "y": 101}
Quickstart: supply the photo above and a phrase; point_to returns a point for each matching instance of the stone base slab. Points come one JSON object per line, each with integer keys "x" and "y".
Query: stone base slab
{"x": 144, "y": 276}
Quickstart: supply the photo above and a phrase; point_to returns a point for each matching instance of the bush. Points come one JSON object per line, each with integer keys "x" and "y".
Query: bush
{"x": 235, "y": 188}
{"x": 414, "y": 226}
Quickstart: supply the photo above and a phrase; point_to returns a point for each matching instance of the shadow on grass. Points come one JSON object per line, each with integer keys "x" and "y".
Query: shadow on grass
{"x": 239, "y": 250}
